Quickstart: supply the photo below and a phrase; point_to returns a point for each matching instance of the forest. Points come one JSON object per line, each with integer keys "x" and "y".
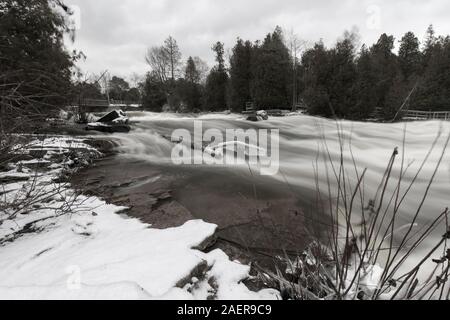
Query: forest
{"x": 95, "y": 204}
{"x": 349, "y": 80}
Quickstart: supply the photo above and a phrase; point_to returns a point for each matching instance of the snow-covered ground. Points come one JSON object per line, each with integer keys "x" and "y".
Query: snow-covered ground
{"x": 57, "y": 244}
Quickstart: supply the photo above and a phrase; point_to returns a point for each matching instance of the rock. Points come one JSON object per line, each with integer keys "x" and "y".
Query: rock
{"x": 38, "y": 153}
{"x": 255, "y": 118}
{"x": 258, "y": 116}
{"x": 115, "y": 121}
{"x": 198, "y": 272}
{"x": 207, "y": 243}
{"x": 102, "y": 145}
{"x": 116, "y": 116}
{"x": 263, "y": 114}
{"x": 10, "y": 179}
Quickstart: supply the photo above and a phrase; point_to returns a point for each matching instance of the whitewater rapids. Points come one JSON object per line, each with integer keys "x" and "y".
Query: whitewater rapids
{"x": 309, "y": 147}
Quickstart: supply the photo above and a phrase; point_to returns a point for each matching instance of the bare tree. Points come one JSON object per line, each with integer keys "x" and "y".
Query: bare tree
{"x": 202, "y": 68}
{"x": 165, "y": 61}
{"x": 159, "y": 62}
{"x": 173, "y": 52}
{"x": 354, "y": 37}
{"x": 136, "y": 79}
{"x": 297, "y": 46}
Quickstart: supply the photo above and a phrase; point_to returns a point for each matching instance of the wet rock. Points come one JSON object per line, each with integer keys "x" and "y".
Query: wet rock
{"x": 258, "y": 116}
{"x": 102, "y": 145}
{"x": 207, "y": 243}
{"x": 198, "y": 272}
{"x": 38, "y": 153}
{"x": 263, "y": 115}
{"x": 115, "y": 121}
{"x": 116, "y": 117}
{"x": 11, "y": 179}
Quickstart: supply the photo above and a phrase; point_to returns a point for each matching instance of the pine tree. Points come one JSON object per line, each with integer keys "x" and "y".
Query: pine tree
{"x": 409, "y": 56}
{"x": 117, "y": 88}
{"x": 434, "y": 92}
{"x": 35, "y": 67}
{"x": 217, "y": 82}
{"x": 271, "y": 73}
{"x": 316, "y": 70}
{"x": 364, "y": 93}
{"x": 240, "y": 75}
{"x": 343, "y": 77}
{"x": 174, "y": 56}
{"x": 189, "y": 88}
{"x": 219, "y": 50}
{"x": 192, "y": 75}
{"x": 154, "y": 94}
{"x": 386, "y": 69}
{"x": 430, "y": 39}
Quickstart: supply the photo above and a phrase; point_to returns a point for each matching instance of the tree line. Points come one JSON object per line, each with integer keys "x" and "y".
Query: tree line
{"x": 347, "y": 83}
{"x": 344, "y": 81}
{"x": 347, "y": 80}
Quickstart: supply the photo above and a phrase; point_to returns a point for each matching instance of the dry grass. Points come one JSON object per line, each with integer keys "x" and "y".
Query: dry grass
{"x": 371, "y": 259}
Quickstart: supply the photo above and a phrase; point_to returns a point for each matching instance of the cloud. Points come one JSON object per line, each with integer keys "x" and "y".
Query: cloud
{"x": 114, "y": 34}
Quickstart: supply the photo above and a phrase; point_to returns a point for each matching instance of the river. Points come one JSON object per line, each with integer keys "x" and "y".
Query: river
{"x": 270, "y": 212}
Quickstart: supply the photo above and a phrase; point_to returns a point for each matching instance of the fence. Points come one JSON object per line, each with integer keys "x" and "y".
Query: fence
{"x": 426, "y": 115}
{"x": 98, "y": 105}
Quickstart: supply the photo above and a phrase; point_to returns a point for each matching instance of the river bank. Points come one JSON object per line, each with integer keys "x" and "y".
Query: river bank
{"x": 262, "y": 217}
{"x": 56, "y": 242}
{"x": 251, "y": 226}
{"x": 259, "y": 218}
{"x": 151, "y": 212}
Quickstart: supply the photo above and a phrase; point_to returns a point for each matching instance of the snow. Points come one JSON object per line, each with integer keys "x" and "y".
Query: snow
{"x": 121, "y": 120}
{"x": 93, "y": 252}
{"x": 368, "y": 281}
{"x": 13, "y": 174}
{"x": 97, "y": 124}
{"x": 228, "y": 275}
{"x": 58, "y": 143}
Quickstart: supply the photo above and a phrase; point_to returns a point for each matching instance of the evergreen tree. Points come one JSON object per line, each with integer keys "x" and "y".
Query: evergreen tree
{"x": 240, "y": 75}
{"x": 434, "y": 92}
{"x": 217, "y": 82}
{"x": 271, "y": 73}
{"x": 189, "y": 88}
{"x": 386, "y": 69}
{"x": 219, "y": 50}
{"x": 174, "y": 56}
{"x": 132, "y": 95}
{"x": 192, "y": 75}
{"x": 118, "y": 88}
{"x": 364, "y": 93}
{"x": 316, "y": 72}
{"x": 343, "y": 77}
{"x": 430, "y": 40}
{"x": 409, "y": 56}
{"x": 330, "y": 77}
{"x": 35, "y": 68}
{"x": 154, "y": 94}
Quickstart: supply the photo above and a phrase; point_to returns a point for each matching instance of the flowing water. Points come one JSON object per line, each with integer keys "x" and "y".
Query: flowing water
{"x": 310, "y": 151}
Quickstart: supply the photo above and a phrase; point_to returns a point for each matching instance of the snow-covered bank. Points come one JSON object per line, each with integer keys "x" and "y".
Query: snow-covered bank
{"x": 57, "y": 244}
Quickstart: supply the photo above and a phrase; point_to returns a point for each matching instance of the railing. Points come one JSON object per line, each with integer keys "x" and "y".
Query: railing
{"x": 99, "y": 105}
{"x": 93, "y": 103}
{"x": 124, "y": 103}
{"x": 426, "y": 115}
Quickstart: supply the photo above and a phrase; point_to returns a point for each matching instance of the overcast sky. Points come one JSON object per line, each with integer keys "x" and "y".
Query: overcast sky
{"x": 114, "y": 34}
